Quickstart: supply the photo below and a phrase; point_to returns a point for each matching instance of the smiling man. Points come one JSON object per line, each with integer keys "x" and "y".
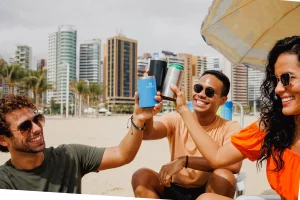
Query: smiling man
{"x": 188, "y": 175}
{"x": 34, "y": 167}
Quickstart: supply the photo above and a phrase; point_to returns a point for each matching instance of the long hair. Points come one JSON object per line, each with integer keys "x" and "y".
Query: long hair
{"x": 279, "y": 128}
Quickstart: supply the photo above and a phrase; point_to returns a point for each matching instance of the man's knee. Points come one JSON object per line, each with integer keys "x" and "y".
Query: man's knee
{"x": 223, "y": 175}
{"x": 145, "y": 183}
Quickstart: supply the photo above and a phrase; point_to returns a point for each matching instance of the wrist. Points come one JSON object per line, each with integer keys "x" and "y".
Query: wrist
{"x": 137, "y": 121}
{"x": 183, "y": 109}
{"x": 182, "y": 161}
{"x": 137, "y": 124}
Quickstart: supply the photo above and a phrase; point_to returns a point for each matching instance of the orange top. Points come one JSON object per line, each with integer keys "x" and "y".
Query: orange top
{"x": 286, "y": 181}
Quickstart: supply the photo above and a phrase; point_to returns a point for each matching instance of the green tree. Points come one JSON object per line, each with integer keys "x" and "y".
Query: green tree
{"x": 11, "y": 75}
{"x": 35, "y": 80}
{"x": 80, "y": 88}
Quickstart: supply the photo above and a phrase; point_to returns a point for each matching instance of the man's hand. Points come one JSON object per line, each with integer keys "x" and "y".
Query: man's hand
{"x": 180, "y": 103}
{"x": 168, "y": 170}
{"x": 143, "y": 114}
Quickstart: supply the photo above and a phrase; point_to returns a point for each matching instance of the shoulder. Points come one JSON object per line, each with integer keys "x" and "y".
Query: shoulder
{"x": 231, "y": 124}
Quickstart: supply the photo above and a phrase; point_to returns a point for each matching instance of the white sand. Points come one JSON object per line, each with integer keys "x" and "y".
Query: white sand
{"x": 109, "y": 131}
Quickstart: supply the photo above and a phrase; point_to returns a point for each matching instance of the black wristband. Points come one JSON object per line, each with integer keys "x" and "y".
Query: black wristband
{"x": 135, "y": 126}
{"x": 186, "y": 161}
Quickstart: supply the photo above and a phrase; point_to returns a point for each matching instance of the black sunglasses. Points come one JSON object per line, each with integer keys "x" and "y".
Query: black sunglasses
{"x": 209, "y": 92}
{"x": 26, "y": 126}
{"x": 285, "y": 79}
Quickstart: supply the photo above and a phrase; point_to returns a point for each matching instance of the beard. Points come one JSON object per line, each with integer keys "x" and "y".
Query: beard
{"x": 25, "y": 147}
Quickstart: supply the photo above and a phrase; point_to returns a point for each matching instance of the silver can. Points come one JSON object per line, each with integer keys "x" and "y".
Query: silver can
{"x": 174, "y": 77}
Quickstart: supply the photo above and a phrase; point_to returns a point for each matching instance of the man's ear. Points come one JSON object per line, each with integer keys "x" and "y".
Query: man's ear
{"x": 223, "y": 100}
{"x": 3, "y": 140}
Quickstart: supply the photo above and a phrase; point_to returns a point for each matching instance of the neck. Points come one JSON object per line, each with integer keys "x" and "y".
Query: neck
{"x": 27, "y": 161}
{"x": 205, "y": 119}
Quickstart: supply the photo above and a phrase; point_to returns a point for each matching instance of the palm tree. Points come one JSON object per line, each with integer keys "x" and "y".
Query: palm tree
{"x": 95, "y": 92}
{"x": 11, "y": 75}
{"x": 80, "y": 88}
{"x": 35, "y": 80}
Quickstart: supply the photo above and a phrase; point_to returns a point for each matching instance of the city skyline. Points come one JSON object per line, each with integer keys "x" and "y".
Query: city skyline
{"x": 153, "y": 24}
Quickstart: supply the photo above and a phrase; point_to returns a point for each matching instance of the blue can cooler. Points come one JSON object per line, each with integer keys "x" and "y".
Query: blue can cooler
{"x": 147, "y": 91}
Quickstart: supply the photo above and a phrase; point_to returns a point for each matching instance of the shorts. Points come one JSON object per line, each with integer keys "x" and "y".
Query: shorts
{"x": 181, "y": 193}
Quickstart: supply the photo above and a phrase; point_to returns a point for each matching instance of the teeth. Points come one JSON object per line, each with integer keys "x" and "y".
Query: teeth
{"x": 200, "y": 102}
{"x": 287, "y": 99}
{"x": 35, "y": 139}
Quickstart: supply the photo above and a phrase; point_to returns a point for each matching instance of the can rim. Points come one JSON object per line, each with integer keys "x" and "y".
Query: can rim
{"x": 146, "y": 77}
{"x": 157, "y": 58}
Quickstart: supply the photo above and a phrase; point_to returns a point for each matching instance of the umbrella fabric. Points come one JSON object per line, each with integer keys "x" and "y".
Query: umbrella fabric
{"x": 245, "y": 30}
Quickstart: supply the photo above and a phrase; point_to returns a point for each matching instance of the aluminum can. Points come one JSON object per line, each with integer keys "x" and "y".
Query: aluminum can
{"x": 174, "y": 77}
{"x": 158, "y": 68}
{"x": 147, "y": 91}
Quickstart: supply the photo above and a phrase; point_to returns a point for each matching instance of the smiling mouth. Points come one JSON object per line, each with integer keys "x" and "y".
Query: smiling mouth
{"x": 287, "y": 99}
{"x": 36, "y": 139}
{"x": 198, "y": 102}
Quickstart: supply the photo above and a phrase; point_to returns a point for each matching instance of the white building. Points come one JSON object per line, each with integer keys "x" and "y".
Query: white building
{"x": 23, "y": 56}
{"x": 61, "y": 50}
{"x": 255, "y": 79}
{"x": 90, "y": 61}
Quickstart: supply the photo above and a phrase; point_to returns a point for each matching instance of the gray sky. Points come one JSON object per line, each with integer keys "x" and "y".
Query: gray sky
{"x": 172, "y": 25}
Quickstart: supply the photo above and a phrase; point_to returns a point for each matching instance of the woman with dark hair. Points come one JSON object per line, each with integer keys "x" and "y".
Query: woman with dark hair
{"x": 275, "y": 137}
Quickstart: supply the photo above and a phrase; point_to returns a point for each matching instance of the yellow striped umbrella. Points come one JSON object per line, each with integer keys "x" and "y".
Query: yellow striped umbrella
{"x": 245, "y": 30}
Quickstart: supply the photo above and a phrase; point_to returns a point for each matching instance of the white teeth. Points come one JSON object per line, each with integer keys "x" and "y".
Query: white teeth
{"x": 287, "y": 99}
{"x": 35, "y": 139}
{"x": 200, "y": 102}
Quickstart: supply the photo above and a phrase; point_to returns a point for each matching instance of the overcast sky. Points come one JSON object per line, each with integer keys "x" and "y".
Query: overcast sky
{"x": 172, "y": 25}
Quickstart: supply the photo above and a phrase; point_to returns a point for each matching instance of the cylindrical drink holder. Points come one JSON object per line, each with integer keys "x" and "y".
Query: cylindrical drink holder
{"x": 147, "y": 91}
{"x": 174, "y": 77}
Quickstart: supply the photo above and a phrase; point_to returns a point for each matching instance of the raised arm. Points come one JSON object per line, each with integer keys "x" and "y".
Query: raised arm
{"x": 125, "y": 152}
{"x": 217, "y": 156}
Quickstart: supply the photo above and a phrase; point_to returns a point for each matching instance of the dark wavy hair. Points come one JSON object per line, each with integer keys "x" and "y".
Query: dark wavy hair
{"x": 8, "y": 104}
{"x": 222, "y": 77}
{"x": 279, "y": 128}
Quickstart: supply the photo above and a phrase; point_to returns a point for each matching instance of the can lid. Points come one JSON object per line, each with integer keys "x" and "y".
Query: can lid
{"x": 177, "y": 66}
{"x": 146, "y": 77}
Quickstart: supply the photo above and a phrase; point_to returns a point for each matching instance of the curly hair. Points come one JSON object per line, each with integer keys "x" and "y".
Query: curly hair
{"x": 279, "y": 128}
{"x": 8, "y": 104}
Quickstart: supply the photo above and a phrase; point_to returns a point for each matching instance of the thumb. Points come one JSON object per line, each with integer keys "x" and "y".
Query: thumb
{"x": 136, "y": 98}
{"x": 174, "y": 88}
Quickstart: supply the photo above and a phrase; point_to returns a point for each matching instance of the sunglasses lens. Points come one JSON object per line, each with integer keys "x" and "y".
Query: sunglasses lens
{"x": 25, "y": 126}
{"x": 39, "y": 120}
{"x": 285, "y": 79}
{"x": 198, "y": 88}
{"x": 209, "y": 92}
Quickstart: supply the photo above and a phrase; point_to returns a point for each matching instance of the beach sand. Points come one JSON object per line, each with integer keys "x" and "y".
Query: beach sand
{"x": 106, "y": 131}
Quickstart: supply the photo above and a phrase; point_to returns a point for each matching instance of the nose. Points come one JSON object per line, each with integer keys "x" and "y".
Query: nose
{"x": 279, "y": 88}
{"x": 35, "y": 127}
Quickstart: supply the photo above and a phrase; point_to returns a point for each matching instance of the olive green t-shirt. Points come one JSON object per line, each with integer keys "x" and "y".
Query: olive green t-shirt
{"x": 61, "y": 171}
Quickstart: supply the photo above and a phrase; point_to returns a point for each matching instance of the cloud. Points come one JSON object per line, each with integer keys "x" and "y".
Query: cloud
{"x": 172, "y": 25}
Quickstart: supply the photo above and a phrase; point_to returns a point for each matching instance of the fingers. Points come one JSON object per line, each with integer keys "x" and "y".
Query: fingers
{"x": 164, "y": 177}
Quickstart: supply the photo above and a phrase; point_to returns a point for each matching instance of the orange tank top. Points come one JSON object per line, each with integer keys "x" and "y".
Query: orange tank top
{"x": 286, "y": 181}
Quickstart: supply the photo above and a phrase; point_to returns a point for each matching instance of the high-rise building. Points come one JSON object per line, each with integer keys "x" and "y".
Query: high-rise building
{"x": 187, "y": 82}
{"x": 255, "y": 79}
{"x": 23, "y": 56}
{"x": 61, "y": 50}
{"x": 120, "y": 71}
{"x": 41, "y": 64}
{"x": 90, "y": 61}
{"x": 239, "y": 84}
{"x": 142, "y": 63}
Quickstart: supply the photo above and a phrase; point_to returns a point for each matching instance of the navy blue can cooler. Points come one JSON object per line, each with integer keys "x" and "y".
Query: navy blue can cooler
{"x": 147, "y": 91}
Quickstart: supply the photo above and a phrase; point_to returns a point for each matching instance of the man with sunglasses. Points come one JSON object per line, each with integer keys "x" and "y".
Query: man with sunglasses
{"x": 36, "y": 168}
{"x": 188, "y": 175}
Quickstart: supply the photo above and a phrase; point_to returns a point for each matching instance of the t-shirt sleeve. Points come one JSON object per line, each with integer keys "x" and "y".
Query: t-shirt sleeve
{"x": 232, "y": 128}
{"x": 89, "y": 157}
{"x": 249, "y": 141}
{"x": 168, "y": 120}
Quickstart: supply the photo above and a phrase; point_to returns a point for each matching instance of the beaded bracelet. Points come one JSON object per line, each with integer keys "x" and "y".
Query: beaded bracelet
{"x": 135, "y": 126}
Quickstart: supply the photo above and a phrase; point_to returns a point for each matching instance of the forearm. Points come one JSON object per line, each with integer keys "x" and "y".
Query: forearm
{"x": 201, "y": 139}
{"x": 131, "y": 143}
{"x": 200, "y": 163}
